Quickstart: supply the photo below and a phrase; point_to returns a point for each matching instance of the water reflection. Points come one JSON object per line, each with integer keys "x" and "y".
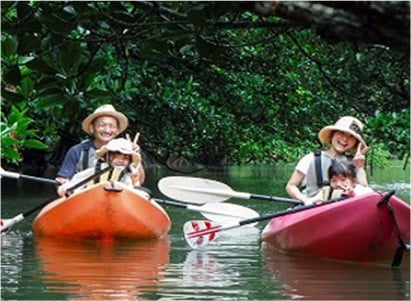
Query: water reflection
{"x": 11, "y": 261}
{"x": 215, "y": 272}
{"x": 202, "y": 267}
{"x": 102, "y": 271}
{"x": 309, "y": 278}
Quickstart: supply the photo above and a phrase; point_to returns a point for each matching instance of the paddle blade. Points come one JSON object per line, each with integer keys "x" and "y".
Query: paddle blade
{"x": 6, "y": 224}
{"x": 4, "y": 228}
{"x": 199, "y": 233}
{"x": 194, "y": 190}
{"x": 226, "y": 213}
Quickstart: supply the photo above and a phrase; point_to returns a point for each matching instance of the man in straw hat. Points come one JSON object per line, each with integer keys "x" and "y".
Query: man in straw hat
{"x": 119, "y": 154}
{"x": 103, "y": 125}
{"x": 344, "y": 137}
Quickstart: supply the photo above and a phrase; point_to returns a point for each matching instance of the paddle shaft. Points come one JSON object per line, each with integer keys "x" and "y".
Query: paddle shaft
{"x": 200, "y": 209}
{"x": 228, "y": 193}
{"x": 397, "y": 259}
{"x": 276, "y": 199}
{"x": 220, "y": 228}
{"x": 15, "y": 175}
{"x": 8, "y": 223}
{"x": 244, "y": 195}
{"x": 86, "y": 180}
{"x": 81, "y": 183}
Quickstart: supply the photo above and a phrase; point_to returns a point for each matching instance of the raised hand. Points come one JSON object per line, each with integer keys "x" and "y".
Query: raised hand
{"x": 359, "y": 158}
{"x": 134, "y": 144}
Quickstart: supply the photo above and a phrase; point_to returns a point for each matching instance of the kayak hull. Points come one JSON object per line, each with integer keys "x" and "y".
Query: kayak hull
{"x": 104, "y": 211}
{"x": 356, "y": 229}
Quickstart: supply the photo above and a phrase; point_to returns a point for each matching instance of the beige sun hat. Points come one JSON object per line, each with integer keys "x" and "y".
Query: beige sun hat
{"x": 105, "y": 110}
{"x": 120, "y": 145}
{"x": 347, "y": 124}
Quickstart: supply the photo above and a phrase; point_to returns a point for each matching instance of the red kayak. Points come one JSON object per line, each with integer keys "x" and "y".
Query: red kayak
{"x": 366, "y": 228}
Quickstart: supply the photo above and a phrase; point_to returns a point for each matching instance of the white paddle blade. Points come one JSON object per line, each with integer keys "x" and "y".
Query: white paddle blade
{"x": 6, "y": 224}
{"x": 199, "y": 233}
{"x": 226, "y": 213}
{"x": 194, "y": 190}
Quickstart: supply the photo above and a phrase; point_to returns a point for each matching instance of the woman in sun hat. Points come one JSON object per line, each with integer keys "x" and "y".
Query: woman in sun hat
{"x": 343, "y": 138}
{"x": 119, "y": 154}
{"x": 103, "y": 125}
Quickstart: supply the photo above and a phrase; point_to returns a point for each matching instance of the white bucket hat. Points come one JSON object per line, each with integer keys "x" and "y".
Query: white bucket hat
{"x": 105, "y": 110}
{"x": 120, "y": 145}
{"x": 345, "y": 124}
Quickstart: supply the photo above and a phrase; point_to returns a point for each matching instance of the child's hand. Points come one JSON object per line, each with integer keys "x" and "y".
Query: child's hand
{"x": 345, "y": 189}
{"x": 135, "y": 173}
{"x": 312, "y": 200}
{"x": 134, "y": 144}
{"x": 135, "y": 168}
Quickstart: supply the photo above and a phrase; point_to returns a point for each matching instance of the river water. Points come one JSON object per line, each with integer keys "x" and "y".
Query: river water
{"x": 234, "y": 267}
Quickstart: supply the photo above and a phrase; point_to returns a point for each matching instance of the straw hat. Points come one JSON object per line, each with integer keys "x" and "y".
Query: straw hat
{"x": 105, "y": 110}
{"x": 345, "y": 124}
{"x": 120, "y": 145}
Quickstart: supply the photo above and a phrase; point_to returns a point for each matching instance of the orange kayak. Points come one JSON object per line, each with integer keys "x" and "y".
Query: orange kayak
{"x": 104, "y": 211}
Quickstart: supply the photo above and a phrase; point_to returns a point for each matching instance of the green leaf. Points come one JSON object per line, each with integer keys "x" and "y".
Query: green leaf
{"x": 15, "y": 115}
{"x": 50, "y": 92}
{"x": 26, "y": 87}
{"x": 22, "y": 125}
{"x": 48, "y": 102}
{"x": 70, "y": 57}
{"x": 11, "y": 154}
{"x": 8, "y": 140}
{"x": 40, "y": 65}
{"x": 49, "y": 82}
{"x": 8, "y": 47}
{"x": 57, "y": 25}
{"x": 36, "y": 144}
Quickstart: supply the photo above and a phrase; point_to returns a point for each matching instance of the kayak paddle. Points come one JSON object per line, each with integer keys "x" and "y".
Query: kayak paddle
{"x": 397, "y": 259}
{"x": 199, "y": 233}
{"x": 15, "y": 175}
{"x": 218, "y": 212}
{"x": 200, "y": 191}
{"x": 6, "y": 224}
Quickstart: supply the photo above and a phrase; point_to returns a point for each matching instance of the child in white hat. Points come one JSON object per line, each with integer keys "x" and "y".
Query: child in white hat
{"x": 343, "y": 137}
{"x": 119, "y": 154}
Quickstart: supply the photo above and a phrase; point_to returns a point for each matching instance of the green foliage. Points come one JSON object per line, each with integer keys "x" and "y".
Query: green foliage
{"x": 17, "y": 133}
{"x": 390, "y": 127}
{"x": 197, "y": 79}
{"x": 378, "y": 156}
